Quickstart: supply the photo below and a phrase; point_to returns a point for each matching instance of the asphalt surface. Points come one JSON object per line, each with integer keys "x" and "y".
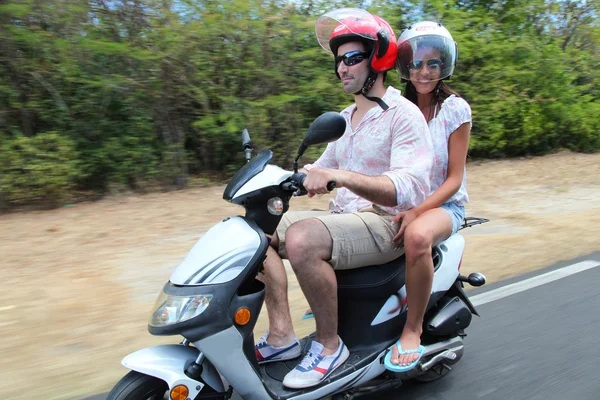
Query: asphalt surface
{"x": 540, "y": 344}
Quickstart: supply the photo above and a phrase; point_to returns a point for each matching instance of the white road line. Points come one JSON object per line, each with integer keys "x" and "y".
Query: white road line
{"x": 539, "y": 280}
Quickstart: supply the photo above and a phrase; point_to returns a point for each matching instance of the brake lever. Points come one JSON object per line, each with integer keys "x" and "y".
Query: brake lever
{"x": 292, "y": 187}
{"x": 300, "y": 192}
{"x": 296, "y": 184}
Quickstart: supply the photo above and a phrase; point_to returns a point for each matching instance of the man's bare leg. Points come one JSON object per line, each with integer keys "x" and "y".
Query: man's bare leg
{"x": 281, "y": 330}
{"x": 308, "y": 245}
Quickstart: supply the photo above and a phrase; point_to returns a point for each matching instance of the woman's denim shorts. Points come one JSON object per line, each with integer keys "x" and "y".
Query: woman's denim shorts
{"x": 457, "y": 214}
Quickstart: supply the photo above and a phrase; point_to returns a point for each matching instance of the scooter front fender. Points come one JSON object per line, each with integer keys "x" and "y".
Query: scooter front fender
{"x": 168, "y": 362}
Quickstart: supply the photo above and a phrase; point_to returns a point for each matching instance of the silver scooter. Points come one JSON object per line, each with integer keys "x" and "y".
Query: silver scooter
{"x": 213, "y": 300}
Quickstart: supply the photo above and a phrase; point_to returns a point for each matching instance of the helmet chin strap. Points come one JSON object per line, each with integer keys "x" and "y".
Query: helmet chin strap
{"x": 438, "y": 87}
{"x": 367, "y": 86}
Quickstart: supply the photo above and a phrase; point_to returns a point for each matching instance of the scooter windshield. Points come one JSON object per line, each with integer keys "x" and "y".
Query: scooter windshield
{"x": 220, "y": 255}
{"x": 247, "y": 172}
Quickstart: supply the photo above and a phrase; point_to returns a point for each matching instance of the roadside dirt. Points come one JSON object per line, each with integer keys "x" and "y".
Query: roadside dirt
{"x": 79, "y": 282}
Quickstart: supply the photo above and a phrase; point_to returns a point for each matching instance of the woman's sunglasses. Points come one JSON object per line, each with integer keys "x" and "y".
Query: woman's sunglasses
{"x": 351, "y": 58}
{"x": 434, "y": 63}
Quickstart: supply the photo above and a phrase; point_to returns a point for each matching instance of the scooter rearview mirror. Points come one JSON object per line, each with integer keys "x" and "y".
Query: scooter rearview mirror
{"x": 328, "y": 127}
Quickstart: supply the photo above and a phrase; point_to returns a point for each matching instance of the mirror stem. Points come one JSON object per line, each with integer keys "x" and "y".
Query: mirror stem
{"x": 301, "y": 150}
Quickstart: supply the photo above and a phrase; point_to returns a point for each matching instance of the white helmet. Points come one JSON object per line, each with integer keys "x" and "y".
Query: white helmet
{"x": 430, "y": 35}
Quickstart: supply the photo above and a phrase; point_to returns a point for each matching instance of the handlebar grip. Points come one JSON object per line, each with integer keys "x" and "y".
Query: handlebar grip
{"x": 297, "y": 183}
{"x": 299, "y": 178}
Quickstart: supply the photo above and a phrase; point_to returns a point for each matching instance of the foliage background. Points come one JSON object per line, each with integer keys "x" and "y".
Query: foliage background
{"x": 99, "y": 95}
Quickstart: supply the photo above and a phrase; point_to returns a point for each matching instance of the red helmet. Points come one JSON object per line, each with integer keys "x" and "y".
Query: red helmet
{"x": 351, "y": 24}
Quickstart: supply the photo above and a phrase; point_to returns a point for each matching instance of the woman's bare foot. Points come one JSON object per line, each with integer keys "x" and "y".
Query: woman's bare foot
{"x": 409, "y": 340}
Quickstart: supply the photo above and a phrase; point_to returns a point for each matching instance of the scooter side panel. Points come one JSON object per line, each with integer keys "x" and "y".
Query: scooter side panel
{"x": 451, "y": 251}
{"x": 225, "y": 351}
{"x": 220, "y": 255}
{"x": 168, "y": 362}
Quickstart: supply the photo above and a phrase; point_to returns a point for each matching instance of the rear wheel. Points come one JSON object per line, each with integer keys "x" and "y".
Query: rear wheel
{"x": 137, "y": 386}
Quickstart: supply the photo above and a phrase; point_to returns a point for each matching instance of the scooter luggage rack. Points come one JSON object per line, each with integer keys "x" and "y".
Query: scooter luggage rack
{"x": 472, "y": 221}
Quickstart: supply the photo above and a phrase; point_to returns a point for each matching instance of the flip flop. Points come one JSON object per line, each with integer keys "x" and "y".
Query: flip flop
{"x": 307, "y": 315}
{"x": 403, "y": 368}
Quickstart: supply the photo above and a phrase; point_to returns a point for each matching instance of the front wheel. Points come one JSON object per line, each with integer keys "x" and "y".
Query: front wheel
{"x": 137, "y": 386}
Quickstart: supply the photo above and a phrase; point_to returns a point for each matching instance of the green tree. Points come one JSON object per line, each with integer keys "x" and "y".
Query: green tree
{"x": 147, "y": 92}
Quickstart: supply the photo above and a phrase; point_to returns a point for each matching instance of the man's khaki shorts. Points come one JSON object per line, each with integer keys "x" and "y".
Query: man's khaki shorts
{"x": 360, "y": 239}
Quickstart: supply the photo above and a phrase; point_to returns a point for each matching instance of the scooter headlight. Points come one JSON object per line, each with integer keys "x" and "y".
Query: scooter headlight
{"x": 170, "y": 309}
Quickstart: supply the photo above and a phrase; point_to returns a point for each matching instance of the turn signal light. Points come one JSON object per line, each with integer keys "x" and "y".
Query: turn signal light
{"x": 242, "y": 316}
{"x": 179, "y": 392}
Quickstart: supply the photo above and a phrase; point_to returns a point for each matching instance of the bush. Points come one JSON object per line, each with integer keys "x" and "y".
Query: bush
{"x": 37, "y": 170}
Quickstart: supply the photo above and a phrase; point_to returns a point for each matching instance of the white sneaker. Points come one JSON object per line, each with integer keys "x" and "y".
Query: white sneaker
{"x": 315, "y": 367}
{"x": 266, "y": 353}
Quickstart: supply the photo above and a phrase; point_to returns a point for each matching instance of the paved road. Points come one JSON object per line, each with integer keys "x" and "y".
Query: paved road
{"x": 542, "y": 343}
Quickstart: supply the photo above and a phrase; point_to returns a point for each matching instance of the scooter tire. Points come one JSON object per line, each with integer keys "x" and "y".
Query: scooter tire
{"x": 138, "y": 386}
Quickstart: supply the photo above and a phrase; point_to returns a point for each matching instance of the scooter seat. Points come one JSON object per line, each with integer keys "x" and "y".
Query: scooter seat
{"x": 377, "y": 280}
{"x": 373, "y": 281}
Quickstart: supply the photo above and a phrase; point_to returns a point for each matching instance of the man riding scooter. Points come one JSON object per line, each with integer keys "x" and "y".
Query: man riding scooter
{"x": 381, "y": 167}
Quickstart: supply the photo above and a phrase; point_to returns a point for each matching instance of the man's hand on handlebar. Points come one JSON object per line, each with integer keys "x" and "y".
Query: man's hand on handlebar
{"x": 322, "y": 181}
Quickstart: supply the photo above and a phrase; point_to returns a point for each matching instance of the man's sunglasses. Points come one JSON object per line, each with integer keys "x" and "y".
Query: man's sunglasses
{"x": 351, "y": 58}
{"x": 434, "y": 63}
